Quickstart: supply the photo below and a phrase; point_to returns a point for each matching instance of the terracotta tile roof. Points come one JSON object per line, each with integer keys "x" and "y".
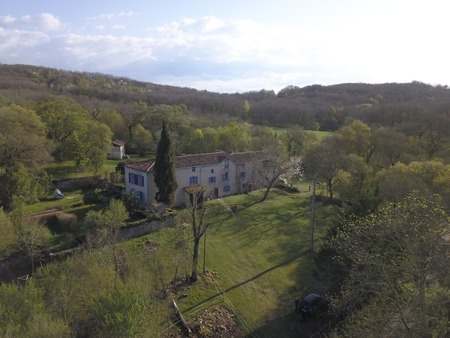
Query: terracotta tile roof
{"x": 142, "y": 166}
{"x": 250, "y": 156}
{"x": 200, "y": 159}
{"x": 187, "y": 161}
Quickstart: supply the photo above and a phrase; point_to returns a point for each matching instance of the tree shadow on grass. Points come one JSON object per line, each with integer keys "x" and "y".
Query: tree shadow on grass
{"x": 248, "y": 280}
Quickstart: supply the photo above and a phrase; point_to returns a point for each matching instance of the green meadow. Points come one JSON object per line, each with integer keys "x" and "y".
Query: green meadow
{"x": 257, "y": 261}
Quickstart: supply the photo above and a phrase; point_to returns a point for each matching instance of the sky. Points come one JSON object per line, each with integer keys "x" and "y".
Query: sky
{"x": 232, "y": 46}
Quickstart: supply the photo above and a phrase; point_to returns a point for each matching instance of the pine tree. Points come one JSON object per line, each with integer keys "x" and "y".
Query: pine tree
{"x": 164, "y": 169}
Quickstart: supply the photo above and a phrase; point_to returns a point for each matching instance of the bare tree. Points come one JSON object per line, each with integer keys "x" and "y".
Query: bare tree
{"x": 132, "y": 115}
{"x": 275, "y": 166}
{"x": 324, "y": 162}
{"x": 197, "y": 212}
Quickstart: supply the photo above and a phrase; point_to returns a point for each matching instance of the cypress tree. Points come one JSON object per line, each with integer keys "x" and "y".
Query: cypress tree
{"x": 164, "y": 169}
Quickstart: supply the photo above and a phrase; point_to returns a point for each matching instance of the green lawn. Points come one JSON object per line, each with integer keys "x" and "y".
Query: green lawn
{"x": 260, "y": 261}
{"x": 320, "y": 134}
{"x": 72, "y": 200}
{"x": 257, "y": 259}
{"x": 68, "y": 169}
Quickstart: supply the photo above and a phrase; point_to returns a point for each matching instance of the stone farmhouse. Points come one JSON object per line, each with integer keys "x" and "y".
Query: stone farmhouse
{"x": 218, "y": 174}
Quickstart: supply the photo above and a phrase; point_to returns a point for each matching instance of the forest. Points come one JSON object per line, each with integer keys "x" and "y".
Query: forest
{"x": 380, "y": 154}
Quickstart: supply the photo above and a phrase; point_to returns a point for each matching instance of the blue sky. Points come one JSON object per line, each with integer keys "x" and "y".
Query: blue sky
{"x": 233, "y": 46}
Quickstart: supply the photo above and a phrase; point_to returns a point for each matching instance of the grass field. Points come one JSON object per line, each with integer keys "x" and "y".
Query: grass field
{"x": 257, "y": 260}
{"x": 321, "y": 134}
{"x": 68, "y": 169}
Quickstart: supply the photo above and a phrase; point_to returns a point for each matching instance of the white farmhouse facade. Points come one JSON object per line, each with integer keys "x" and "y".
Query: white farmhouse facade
{"x": 218, "y": 173}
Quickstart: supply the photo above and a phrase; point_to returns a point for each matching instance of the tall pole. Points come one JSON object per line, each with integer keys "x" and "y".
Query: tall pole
{"x": 204, "y": 252}
{"x": 313, "y": 216}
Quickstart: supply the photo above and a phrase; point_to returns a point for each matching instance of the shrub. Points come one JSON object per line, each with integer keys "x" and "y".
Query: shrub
{"x": 62, "y": 222}
{"x": 131, "y": 203}
{"x": 90, "y": 197}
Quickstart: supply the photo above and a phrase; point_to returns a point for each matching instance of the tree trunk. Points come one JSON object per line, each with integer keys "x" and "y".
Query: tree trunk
{"x": 330, "y": 189}
{"x": 266, "y": 193}
{"x": 130, "y": 132}
{"x": 194, "y": 274}
{"x": 422, "y": 299}
{"x": 313, "y": 216}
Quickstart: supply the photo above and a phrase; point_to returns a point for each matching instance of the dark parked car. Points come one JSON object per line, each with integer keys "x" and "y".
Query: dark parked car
{"x": 311, "y": 305}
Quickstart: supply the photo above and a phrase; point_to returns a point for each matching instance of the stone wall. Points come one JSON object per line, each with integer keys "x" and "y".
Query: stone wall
{"x": 144, "y": 228}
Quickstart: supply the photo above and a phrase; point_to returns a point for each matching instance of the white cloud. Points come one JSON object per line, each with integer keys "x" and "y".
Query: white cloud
{"x": 220, "y": 41}
{"x": 7, "y": 20}
{"x": 15, "y": 39}
{"x": 114, "y": 16}
{"x": 119, "y": 27}
{"x": 48, "y": 22}
{"x": 106, "y": 51}
{"x": 237, "y": 55}
{"x": 44, "y": 22}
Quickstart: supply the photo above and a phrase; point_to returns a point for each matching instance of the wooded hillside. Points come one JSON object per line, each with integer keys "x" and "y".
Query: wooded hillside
{"x": 313, "y": 107}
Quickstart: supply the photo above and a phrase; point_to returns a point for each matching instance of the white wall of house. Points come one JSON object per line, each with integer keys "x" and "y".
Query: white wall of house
{"x": 117, "y": 153}
{"x": 247, "y": 178}
{"x": 242, "y": 179}
{"x": 140, "y": 184}
{"x": 218, "y": 180}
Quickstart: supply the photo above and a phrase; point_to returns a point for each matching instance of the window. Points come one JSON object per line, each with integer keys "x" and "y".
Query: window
{"x": 243, "y": 175}
{"x": 212, "y": 179}
{"x": 212, "y": 171}
{"x": 136, "y": 179}
{"x": 225, "y": 176}
{"x": 226, "y": 188}
{"x": 193, "y": 169}
{"x": 193, "y": 180}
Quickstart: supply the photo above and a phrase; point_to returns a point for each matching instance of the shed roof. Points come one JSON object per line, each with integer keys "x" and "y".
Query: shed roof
{"x": 118, "y": 143}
